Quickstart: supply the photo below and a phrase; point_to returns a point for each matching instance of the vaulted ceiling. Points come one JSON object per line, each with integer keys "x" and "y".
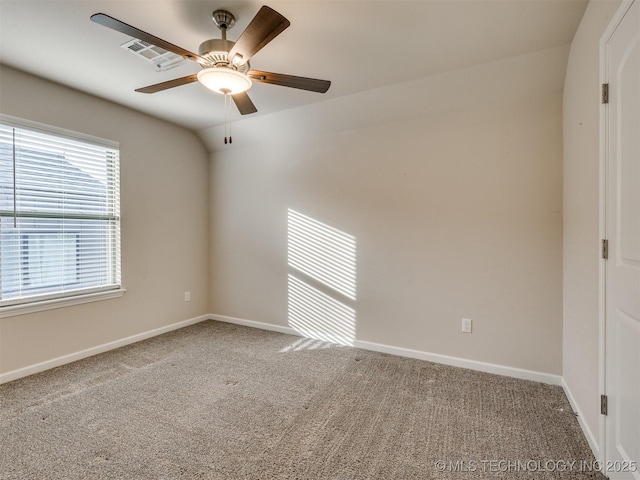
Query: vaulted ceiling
{"x": 357, "y": 44}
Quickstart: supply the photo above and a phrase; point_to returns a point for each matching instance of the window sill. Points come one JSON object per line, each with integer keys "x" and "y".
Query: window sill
{"x": 23, "y": 309}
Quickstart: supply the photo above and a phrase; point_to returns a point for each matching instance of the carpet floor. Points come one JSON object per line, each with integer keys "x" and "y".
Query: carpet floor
{"x": 221, "y": 401}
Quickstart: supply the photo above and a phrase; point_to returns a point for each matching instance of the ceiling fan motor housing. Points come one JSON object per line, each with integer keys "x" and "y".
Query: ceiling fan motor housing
{"x": 216, "y": 50}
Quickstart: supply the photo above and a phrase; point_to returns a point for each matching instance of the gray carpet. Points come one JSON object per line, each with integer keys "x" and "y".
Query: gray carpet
{"x": 220, "y": 401}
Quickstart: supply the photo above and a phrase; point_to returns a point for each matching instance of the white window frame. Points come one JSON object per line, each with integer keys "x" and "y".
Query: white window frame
{"x": 80, "y": 296}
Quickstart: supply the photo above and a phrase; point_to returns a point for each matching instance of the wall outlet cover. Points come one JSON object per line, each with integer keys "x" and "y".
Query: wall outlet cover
{"x": 466, "y": 325}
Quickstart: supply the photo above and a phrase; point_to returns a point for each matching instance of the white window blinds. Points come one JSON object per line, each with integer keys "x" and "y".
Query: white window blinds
{"x": 59, "y": 216}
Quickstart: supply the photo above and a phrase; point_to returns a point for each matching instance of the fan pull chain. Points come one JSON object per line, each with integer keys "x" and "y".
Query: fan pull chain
{"x": 226, "y": 116}
{"x": 229, "y": 118}
{"x": 227, "y": 122}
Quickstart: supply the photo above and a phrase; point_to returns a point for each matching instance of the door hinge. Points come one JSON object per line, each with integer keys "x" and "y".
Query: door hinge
{"x": 605, "y": 248}
{"x": 603, "y": 405}
{"x": 605, "y": 93}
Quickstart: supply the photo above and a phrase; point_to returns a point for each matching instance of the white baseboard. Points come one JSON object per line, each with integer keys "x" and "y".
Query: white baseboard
{"x": 89, "y": 352}
{"x": 420, "y": 355}
{"x": 591, "y": 439}
{"x": 253, "y": 324}
{"x": 376, "y": 347}
{"x": 463, "y": 363}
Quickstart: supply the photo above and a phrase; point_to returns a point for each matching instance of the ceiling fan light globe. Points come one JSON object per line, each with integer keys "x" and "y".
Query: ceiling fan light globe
{"x": 224, "y": 80}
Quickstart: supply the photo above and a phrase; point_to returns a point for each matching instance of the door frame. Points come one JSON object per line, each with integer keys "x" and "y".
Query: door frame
{"x": 603, "y": 203}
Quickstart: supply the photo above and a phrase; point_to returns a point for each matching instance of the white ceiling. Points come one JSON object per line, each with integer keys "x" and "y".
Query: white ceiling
{"x": 357, "y": 44}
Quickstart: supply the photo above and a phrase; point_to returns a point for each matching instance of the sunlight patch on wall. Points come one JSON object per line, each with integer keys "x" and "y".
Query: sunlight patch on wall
{"x": 317, "y": 315}
{"x": 322, "y": 252}
{"x": 321, "y": 282}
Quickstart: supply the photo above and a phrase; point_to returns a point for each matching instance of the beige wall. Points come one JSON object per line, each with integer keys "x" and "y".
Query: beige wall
{"x": 581, "y": 213}
{"x": 452, "y": 188}
{"x": 164, "y": 197}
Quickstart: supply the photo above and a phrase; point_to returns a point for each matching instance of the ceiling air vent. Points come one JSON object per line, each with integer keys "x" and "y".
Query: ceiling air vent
{"x": 162, "y": 59}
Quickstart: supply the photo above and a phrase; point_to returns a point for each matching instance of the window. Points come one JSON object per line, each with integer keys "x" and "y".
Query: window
{"x": 59, "y": 215}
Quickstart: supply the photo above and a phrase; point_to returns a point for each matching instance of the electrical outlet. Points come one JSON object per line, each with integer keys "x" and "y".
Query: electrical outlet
{"x": 187, "y": 296}
{"x": 466, "y": 325}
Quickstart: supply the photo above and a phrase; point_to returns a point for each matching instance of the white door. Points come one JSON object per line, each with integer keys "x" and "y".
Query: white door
{"x": 622, "y": 150}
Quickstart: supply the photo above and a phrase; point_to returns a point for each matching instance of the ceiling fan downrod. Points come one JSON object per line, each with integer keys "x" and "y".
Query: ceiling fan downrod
{"x": 224, "y": 20}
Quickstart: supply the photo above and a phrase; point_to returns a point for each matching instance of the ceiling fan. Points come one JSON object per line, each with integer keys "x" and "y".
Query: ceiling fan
{"x": 225, "y": 64}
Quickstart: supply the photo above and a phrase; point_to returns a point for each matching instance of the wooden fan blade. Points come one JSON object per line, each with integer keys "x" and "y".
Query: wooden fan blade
{"x": 244, "y": 103}
{"x": 158, "y": 87}
{"x": 118, "y": 26}
{"x": 303, "y": 83}
{"x": 265, "y": 26}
